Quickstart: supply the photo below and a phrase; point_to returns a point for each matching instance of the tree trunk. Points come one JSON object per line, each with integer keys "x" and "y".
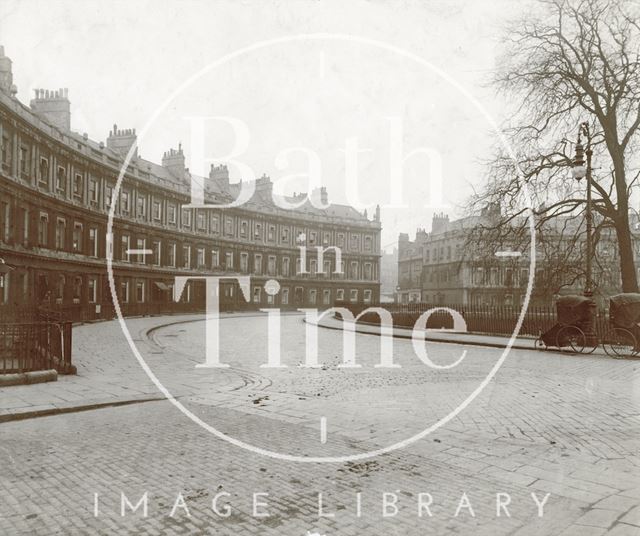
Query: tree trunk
{"x": 625, "y": 247}
{"x": 623, "y": 232}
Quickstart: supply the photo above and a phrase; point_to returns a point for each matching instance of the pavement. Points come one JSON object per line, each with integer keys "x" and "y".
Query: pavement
{"x": 436, "y": 335}
{"x": 547, "y": 423}
{"x": 97, "y": 386}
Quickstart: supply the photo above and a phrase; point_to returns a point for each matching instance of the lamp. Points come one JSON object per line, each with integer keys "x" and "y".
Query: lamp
{"x": 4, "y": 267}
{"x": 579, "y": 169}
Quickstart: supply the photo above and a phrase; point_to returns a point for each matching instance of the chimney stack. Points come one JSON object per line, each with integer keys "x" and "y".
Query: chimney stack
{"x": 173, "y": 161}
{"x": 264, "y": 184}
{"x": 220, "y": 174}
{"x": 121, "y": 141}
{"x": 324, "y": 197}
{"x": 319, "y": 195}
{"x": 439, "y": 223}
{"x": 54, "y": 107}
{"x": 6, "y": 74}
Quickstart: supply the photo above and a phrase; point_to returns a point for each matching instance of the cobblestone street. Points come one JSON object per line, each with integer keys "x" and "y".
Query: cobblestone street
{"x": 547, "y": 423}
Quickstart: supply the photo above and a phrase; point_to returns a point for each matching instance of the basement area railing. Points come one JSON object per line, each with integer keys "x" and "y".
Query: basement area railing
{"x": 32, "y": 341}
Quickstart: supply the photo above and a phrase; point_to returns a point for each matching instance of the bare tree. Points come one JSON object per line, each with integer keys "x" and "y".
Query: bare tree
{"x": 565, "y": 62}
{"x": 560, "y": 250}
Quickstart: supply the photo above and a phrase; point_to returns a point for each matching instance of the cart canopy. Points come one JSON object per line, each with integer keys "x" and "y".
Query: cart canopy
{"x": 573, "y": 309}
{"x": 624, "y": 310}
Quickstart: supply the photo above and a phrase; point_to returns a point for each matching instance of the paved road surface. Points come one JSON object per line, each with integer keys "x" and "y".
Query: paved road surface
{"x": 547, "y": 423}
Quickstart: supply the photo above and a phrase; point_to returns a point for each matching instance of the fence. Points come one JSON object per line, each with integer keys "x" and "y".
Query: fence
{"x": 92, "y": 312}
{"x": 40, "y": 338}
{"x": 31, "y": 346}
{"x": 488, "y": 319}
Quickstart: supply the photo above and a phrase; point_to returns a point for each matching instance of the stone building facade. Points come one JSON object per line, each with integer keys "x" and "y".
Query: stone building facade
{"x": 56, "y": 190}
{"x": 430, "y": 268}
{"x": 388, "y": 275}
{"x": 445, "y": 266}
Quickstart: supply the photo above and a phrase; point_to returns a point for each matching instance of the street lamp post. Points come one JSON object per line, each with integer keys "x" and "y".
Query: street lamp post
{"x": 580, "y": 171}
{"x": 4, "y": 267}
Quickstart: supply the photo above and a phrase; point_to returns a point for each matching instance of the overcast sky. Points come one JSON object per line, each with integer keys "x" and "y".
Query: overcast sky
{"x": 122, "y": 60}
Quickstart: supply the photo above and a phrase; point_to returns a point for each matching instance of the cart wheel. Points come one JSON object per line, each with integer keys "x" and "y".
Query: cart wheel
{"x": 571, "y": 337}
{"x": 589, "y": 349}
{"x": 619, "y": 342}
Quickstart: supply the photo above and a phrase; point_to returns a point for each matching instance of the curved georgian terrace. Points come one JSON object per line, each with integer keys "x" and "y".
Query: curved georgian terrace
{"x": 56, "y": 189}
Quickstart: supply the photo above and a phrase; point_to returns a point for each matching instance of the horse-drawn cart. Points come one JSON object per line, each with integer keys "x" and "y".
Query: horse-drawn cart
{"x": 623, "y": 337}
{"x": 620, "y": 339}
{"x": 574, "y": 314}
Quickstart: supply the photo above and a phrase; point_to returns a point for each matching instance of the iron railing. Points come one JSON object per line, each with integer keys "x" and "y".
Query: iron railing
{"x": 32, "y": 346}
{"x": 488, "y": 319}
{"x": 40, "y": 338}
